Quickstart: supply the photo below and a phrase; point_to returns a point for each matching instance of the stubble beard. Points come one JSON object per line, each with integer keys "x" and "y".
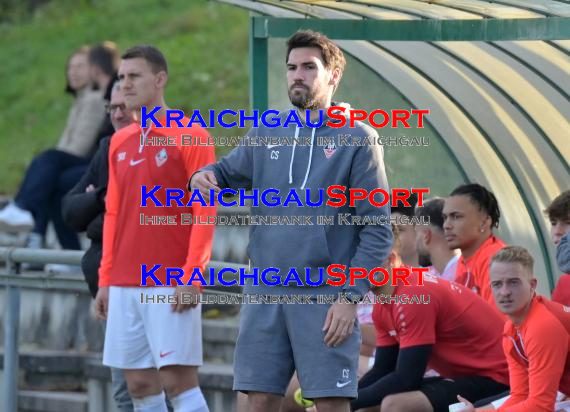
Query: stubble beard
{"x": 304, "y": 100}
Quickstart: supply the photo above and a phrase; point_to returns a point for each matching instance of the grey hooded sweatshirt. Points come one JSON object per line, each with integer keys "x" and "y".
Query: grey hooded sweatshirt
{"x": 313, "y": 167}
{"x": 563, "y": 253}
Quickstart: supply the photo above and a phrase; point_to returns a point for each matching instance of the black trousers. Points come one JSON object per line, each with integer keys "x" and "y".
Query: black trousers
{"x": 49, "y": 177}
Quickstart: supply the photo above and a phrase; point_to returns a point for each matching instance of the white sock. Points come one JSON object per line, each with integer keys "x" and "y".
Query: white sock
{"x": 153, "y": 403}
{"x": 191, "y": 400}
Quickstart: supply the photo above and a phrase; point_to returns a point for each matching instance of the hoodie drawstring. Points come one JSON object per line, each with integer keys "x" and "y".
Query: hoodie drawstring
{"x": 293, "y": 157}
{"x": 310, "y": 158}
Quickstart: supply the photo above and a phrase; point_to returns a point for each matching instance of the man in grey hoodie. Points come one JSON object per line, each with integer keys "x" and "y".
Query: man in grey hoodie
{"x": 319, "y": 340}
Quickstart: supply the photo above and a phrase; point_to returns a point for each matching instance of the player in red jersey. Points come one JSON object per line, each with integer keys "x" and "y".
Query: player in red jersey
{"x": 470, "y": 213}
{"x": 158, "y": 346}
{"x": 536, "y": 337}
{"x": 457, "y": 334}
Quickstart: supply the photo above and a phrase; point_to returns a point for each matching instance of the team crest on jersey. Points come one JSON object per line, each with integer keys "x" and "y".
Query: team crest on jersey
{"x": 161, "y": 157}
{"x": 330, "y": 150}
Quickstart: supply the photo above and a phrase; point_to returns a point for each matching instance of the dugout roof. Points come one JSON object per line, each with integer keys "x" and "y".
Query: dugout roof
{"x": 494, "y": 74}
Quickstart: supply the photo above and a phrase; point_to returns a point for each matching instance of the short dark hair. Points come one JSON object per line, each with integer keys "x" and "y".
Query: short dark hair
{"x": 433, "y": 209}
{"x": 151, "y": 54}
{"x": 406, "y": 210}
{"x": 559, "y": 209}
{"x": 333, "y": 57}
{"x": 484, "y": 198}
{"x": 106, "y": 57}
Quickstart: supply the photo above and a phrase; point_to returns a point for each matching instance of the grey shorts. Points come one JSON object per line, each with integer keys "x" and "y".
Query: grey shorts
{"x": 276, "y": 339}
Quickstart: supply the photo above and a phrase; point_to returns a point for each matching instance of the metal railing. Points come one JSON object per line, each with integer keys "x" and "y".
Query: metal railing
{"x": 13, "y": 281}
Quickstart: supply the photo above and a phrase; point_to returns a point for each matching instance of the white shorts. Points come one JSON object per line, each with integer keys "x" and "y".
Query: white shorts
{"x": 149, "y": 335}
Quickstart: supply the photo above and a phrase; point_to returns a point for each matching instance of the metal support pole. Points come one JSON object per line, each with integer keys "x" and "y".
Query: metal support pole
{"x": 13, "y": 282}
{"x": 258, "y": 69}
{"x": 11, "y": 357}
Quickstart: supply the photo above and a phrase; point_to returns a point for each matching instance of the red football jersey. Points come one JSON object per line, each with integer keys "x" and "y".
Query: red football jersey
{"x": 126, "y": 243}
{"x": 465, "y": 332}
{"x": 561, "y": 292}
{"x": 473, "y": 272}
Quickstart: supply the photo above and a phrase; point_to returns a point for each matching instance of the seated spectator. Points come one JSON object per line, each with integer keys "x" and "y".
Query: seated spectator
{"x": 52, "y": 173}
{"x": 558, "y": 213}
{"x": 103, "y": 62}
{"x": 430, "y": 241}
{"x": 407, "y": 234}
{"x": 456, "y": 333}
{"x": 470, "y": 213}
{"x": 536, "y": 339}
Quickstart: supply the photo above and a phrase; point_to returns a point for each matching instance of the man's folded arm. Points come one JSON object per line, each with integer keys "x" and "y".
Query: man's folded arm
{"x": 407, "y": 376}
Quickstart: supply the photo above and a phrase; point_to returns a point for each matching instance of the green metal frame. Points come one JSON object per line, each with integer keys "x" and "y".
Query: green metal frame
{"x": 263, "y": 27}
{"x": 259, "y": 68}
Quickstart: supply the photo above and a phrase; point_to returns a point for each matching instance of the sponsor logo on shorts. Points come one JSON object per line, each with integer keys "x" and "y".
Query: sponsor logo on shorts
{"x": 165, "y": 354}
{"x": 345, "y": 375}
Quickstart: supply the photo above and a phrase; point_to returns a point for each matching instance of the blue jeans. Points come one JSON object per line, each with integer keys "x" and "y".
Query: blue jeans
{"x": 49, "y": 177}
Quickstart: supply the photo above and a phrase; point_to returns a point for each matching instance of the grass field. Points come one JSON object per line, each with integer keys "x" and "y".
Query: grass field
{"x": 205, "y": 42}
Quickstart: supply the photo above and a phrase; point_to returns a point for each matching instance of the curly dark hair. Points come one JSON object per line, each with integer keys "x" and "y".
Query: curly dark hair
{"x": 484, "y": 198}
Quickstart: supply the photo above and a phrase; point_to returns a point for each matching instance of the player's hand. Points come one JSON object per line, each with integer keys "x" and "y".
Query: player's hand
{"x": 204, "y": 181}
{"x": 468, "y": 405}
{"x": 339, "y": 323}
{"x": 191, "y": 294}
{"x": 89, "y": 188}
{"x": 102, "y": 303}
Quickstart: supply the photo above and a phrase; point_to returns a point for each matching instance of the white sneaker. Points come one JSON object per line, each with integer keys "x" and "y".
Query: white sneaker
{"x": 60, "y": 268}
{"x": 13, "y": 216}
